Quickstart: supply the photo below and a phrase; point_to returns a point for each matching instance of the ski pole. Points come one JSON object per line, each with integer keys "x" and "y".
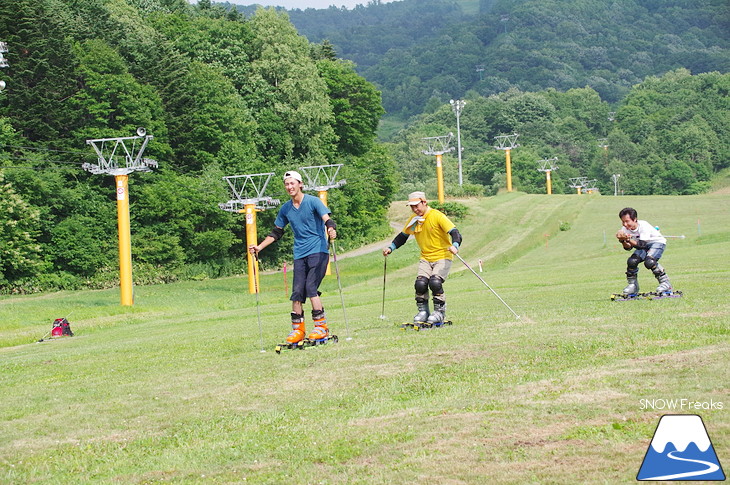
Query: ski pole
{"x": 339, "y": 285}
{"x": 678, "y": 237}
{"x": 385, "y": 271}
{"x": 256, "y": 289}
{"x": 485, "y": 284}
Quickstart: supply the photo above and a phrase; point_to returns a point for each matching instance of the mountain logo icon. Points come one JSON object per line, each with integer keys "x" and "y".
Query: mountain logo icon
{"x": 680, "y": 450}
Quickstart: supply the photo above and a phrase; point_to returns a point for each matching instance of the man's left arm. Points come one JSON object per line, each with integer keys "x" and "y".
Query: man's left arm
{"x": 330, "y": 226}
{"x": 455, "y": 240}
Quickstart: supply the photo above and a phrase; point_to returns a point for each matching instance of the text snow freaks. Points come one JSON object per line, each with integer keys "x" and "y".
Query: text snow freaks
{"x": 680, "y": 404}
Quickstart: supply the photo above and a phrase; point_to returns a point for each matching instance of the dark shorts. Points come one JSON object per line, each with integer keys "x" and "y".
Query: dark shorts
{"x": 309, "y": 272}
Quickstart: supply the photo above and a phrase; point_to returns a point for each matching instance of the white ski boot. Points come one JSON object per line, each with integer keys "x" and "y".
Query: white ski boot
{"x": 633, "y": 287}
{"x": 439, "y": 312}
{"x": 422, "y": 316}
{"x": 664, "y": 285}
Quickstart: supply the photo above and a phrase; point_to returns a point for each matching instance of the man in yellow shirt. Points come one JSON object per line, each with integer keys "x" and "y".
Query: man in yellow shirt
{"x": 439, "y": 240}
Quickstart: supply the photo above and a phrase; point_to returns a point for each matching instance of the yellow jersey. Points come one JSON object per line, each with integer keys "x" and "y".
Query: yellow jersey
{"x": 432, "y": 234}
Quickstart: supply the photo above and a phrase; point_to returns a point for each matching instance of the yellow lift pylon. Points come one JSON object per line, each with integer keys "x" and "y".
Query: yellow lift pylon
{"x": 507, "y": 143}
{"x": 548, "y": 165}
{"x": 438, "y": 145}
{"x": 248, "y": 198}
{"x": 117, "y": 159}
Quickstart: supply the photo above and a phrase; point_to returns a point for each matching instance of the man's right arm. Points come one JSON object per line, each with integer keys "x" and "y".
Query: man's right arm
{"x": 398, "y": 241}
{"x": 272, "y": 237}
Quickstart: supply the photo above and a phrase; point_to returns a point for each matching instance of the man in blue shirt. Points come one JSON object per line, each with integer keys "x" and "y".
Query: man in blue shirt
{"x": 311, "y": 224}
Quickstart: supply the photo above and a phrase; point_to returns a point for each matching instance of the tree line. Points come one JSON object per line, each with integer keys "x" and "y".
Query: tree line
{"x": 225, "y": 93}
{"x": 221, "y": 94}
{"x": 424, "y": 51}
{"x": 669, "y": 135}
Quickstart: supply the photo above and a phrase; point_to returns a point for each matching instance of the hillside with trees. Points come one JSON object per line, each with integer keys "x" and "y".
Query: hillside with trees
{"x": 221, "y": 94}
{"x": 425, "y": 52}
{"x": 670, "y": 135}
{"x": 644, "y": 95}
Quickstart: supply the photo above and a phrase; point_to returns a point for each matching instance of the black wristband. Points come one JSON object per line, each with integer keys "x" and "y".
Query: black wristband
{"x": 400, "y": 240}
{"x": 276, "y": 233}
{"x": 330, "y": 223}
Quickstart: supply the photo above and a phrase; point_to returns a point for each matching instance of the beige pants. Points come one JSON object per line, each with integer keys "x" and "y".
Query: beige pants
{"x": 439, "y": 268}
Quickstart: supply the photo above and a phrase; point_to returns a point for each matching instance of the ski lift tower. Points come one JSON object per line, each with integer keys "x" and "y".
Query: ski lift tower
{"x": 438, "y": 145}
{"x": 578, "y": 183}
{"x": 507, "y": 143}
{"x": 590, "y": 186}
{"x": 603, "y": 143}
{"x": 547, "y": 165}
{"x": 322, "y": 178}
{"x": 116, "y": 158}
{"x": 248, "y": 197}
{"x": 480, "y": 69}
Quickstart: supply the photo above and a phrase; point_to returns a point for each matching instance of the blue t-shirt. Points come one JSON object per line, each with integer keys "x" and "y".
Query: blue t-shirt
{"x": 307, "y": 225}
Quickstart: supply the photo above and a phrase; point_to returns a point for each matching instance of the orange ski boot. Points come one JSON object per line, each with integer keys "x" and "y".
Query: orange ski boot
{"x": 297, "y": 329}
{"x": 320, "y": 325}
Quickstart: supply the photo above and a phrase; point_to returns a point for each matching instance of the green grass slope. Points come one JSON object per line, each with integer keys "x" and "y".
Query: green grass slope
{"x": 175, "y": 389}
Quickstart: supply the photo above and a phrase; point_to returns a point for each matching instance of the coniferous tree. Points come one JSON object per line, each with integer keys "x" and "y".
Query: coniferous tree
{"x": 43, "y": 75}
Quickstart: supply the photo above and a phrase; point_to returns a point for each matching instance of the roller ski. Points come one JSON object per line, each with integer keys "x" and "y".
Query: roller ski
{"x": 631, "y": 296}
{"x": 664, "y": 290}
{"x": 655, "y": 295}
{"x": 308, "y": 342}
{"x": 423, "y": 320}
{"x": 436, "y": 320}
{"x": 296, "y": 339}
{"x": 304, "y": 343}
{"x": 289, "y": 346}
{"x": 424, "y": 325}
{"x": 631, "y": 292}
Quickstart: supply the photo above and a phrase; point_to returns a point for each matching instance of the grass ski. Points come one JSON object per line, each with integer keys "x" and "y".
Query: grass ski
{"x": 651, "y": 295}
{"x": 666, "y": 294}
{"x": 303, "y": 344}
{"x": 424, "y": 325}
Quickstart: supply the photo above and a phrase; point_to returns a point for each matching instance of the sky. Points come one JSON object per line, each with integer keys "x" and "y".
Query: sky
{"x": 303, "y": 4}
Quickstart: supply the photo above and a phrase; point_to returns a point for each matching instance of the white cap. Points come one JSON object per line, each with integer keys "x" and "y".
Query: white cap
{"x": 292, "y": 174}
{"x": 415, "y": 198}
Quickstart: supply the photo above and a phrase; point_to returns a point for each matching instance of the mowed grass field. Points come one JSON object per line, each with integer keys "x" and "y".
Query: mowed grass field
{"x": 176, "y": 389}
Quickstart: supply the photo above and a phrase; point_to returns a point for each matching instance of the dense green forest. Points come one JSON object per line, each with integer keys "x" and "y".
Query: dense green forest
{"x": 228, "y": 93}
{"x": 221, "y": 95}
{"x": 668, "y": 136}
{"x": 421, "y": 51}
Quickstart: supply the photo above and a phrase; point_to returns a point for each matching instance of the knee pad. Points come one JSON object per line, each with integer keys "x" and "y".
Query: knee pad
{"x": 421, "y": 285}
{"x": 436, "y": 285}
{"x": 633, "y": 262}
{"x": 650, "y": 263}
{"x": 658, "y": 270}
